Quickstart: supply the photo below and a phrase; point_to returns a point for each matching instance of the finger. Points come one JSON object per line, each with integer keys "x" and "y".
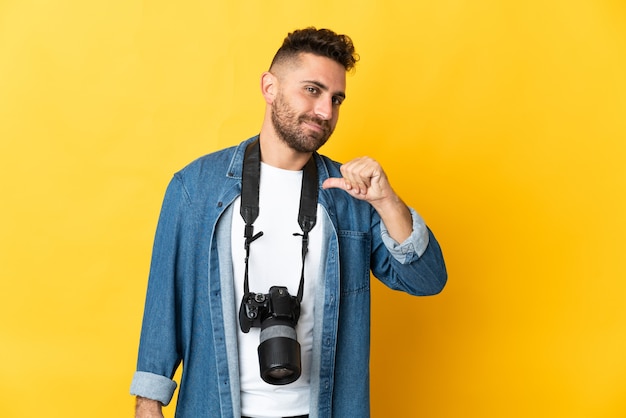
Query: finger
{"x": 358, "y": 173}
{"x": 336, "y": 183}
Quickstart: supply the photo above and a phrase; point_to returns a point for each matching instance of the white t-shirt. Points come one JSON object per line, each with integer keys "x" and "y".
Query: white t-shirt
{"x": 276, "y": 260}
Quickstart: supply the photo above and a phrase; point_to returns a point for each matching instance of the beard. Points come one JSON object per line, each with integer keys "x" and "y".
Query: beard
{"x": 288, "y": 126}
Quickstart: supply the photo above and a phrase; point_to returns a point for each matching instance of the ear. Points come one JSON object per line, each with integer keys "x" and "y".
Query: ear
{"x": 269, "y": 86}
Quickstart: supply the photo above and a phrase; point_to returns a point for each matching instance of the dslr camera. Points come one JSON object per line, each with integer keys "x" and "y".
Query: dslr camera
{"x": 277, "y": 314}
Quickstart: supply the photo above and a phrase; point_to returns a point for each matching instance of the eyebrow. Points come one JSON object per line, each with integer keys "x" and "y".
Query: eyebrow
{"x": 324, "y": 87}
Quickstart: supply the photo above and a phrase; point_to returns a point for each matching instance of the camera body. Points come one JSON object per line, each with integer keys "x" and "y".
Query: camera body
{"x": 277, "y": 305}
{"x": 276, "y": 313}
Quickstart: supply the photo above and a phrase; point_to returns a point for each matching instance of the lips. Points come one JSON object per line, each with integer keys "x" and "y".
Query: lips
{"x": 319, "y": 125}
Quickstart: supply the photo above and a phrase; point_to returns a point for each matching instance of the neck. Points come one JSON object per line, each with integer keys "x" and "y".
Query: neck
{"x": 277, "y": 153}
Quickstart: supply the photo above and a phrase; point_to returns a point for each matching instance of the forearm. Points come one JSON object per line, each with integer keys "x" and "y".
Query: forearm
{"x": 396, "y": 216}
{"x": 417, "y": 266}
{"x": 148, "y": 408}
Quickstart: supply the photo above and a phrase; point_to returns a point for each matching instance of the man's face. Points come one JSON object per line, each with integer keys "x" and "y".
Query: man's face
{"x": 306, "y": 107}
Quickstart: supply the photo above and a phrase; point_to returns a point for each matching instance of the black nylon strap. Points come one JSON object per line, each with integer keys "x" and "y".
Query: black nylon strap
{"x": 250, "y": 183}
{"x": 307, "y": 213}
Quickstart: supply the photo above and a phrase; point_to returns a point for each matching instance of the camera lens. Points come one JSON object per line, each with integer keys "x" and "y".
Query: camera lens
{"x": 280, "y": 373}
{"x": 279, "y": 355}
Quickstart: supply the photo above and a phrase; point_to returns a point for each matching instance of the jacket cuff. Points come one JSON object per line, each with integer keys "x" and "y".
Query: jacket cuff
{"x": 414, "y": 246}
{"x": 153, "y": 386}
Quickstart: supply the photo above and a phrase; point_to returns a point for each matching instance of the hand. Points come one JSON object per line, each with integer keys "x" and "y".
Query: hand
{"x": 364, "y": 179}
{"x": 148, "y": 408}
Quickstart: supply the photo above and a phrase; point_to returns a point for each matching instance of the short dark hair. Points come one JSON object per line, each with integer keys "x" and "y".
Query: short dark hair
{"x": 322, "y": 42}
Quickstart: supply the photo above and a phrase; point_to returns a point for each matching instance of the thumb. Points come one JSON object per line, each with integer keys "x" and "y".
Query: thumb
{"x": 335, "y": 183}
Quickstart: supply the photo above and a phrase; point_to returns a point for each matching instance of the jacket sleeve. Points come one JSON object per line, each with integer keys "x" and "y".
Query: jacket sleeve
{"x": 415, "y": 266}
{"x": 159, "y": 348}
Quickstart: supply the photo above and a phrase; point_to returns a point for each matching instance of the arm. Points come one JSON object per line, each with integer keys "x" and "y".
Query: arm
{"x": 148, "y": 408}
{"x": 406, "y": 256}
{"x": 159, "y": 356}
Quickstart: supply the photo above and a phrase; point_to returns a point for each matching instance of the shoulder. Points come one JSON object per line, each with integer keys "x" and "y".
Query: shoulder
{"x": 208, "y": 164}
{"x": 226, "y": 162}
{"x": 213, "y": 171}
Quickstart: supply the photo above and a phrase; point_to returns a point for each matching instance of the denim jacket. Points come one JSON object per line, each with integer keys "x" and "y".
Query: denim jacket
{"x": 190, "y": 313}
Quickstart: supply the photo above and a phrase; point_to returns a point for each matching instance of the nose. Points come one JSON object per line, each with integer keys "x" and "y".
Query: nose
{"x": 324, "y": 108}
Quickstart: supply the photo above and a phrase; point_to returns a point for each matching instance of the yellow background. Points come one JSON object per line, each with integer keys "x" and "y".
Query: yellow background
{"x": 502, "y": 122}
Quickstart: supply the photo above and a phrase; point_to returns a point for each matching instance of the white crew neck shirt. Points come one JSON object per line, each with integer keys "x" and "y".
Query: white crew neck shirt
{"x": 276, "y": 260}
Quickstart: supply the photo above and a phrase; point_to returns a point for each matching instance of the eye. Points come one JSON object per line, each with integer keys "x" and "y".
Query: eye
{"x": 337, "y": 100}
{"x": 312, "y": 90}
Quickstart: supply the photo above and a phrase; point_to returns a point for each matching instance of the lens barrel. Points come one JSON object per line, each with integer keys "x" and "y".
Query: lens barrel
{"x": 279, "y": 359}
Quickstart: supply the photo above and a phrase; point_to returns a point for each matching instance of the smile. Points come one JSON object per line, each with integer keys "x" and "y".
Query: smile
{"x": 315, "y": 126}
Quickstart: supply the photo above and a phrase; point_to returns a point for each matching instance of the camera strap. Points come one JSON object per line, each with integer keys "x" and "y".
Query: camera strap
{"x": 307, "y": 213}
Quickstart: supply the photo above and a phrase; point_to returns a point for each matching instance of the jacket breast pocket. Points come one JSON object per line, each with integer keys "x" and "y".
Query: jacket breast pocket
{"x": 354, "y": 256}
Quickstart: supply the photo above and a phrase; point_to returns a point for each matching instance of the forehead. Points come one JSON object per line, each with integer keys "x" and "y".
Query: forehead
{"x": 311, "y": 67}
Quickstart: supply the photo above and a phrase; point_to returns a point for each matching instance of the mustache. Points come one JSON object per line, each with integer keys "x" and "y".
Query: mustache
{"x": 318, "y": 121}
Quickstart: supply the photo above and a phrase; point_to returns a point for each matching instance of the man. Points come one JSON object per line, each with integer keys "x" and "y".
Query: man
{"x": 220, "y": 267}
